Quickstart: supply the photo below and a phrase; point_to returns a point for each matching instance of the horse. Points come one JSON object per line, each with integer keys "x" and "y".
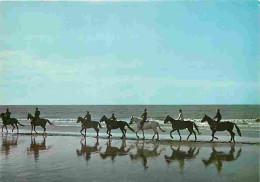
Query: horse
{"x": 88, "y": 124}
{"x": 147, "y": 125}
{"x": 114, "y": 125}
{"x": 10, "y": 121}
{"x": 222, "y": 126}
{"x": 180, "y": 125}
{"x": 39, "y": 122}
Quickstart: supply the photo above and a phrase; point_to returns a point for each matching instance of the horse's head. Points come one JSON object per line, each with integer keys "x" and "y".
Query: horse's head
{"x": 104, "y": 118}
{"x": 205, "y": 118}
{"x": 2, "y": 115}
{"x": 167, "y": 119}
{"x": 79, "y": 119}
{"x": 131, "y": 120}
{"x": 29, "y": 116}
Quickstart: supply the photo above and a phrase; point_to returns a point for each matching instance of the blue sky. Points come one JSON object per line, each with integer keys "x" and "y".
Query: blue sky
{"x": 129, "y": 52}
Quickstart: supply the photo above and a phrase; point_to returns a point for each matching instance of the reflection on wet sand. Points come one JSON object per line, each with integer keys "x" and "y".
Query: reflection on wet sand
{"x": 8, "y": 143}
{"x": 112, "y": 151}
{"x": 35, "y": 147}
{"x": 87, "y": 150}
{"x": 143, "y": 153}
{"x": 218, "y": 157}
{"x": 181, "y": 156}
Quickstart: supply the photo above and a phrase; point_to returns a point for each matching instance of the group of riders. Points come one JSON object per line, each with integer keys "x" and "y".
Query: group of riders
{"x": 34, "y": 120}
{"x": 37, "y": 113}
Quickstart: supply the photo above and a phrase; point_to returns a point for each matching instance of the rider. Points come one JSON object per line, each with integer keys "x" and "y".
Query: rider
{"x": 7, "y": 114}
{"x": 36, "y": 114}
{"x": 181, "y": 118}
{"x": 88, "y": 116}
{"x": 218, "y": 117}
{"x": 113, "y": 118}
{"x": 144, "y": 116}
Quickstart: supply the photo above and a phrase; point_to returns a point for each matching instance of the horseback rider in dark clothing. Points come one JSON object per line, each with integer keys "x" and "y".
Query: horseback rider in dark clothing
{"x": 7, "y": 114}
{"x": 144, "y": 116}
{"x": 113, "y": 118}
{"x": 218, "y": 117}
{"x": 36, "y": 115}
{"x": 88, "y": 117}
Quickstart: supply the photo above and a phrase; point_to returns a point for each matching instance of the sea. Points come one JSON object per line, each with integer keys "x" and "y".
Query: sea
{"x": 64, "y": 116}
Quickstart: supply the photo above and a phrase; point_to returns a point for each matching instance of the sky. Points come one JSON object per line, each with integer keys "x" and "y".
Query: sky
{"x": 129, "y": 52}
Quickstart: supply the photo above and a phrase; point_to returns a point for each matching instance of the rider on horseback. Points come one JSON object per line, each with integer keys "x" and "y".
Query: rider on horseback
{"x": 113, "y": 118}
{"x": 36, "y": 115}
{"x": 181, "y": 118}
{"x": 88, "y": 117}
{"x": 218, "y": 117}
{"x": 144, "y": 116}
{"x": 7, "y": 114}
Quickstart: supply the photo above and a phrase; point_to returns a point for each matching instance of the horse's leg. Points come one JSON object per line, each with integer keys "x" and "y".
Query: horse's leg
{"x": 195, "y": 135}
{"x": 85, "y": 132}
{"x": 81, "y": 131}
{"x": 154, "y": 135}
{"x": 213, "y": 133}
{"x": 97, "y": 130}
{"x": 157, "y": 135}
{"x": 34, "y": 129}
{"x": 3, "y": 128}
{"x": 44, "y": 131}
{"x": 232, "y": 134}
{"x": 31, "y": 129}
{"x": 17, "y": 127}
{"x": 13, "y": 127}
{"x": 171, "y": 133}
{"x": 143, "y": 134}
{"x": 6, "y": 128}
{"x": 122, "y": 133}
{"x": 137, "y": 132}
{"x": 189, "y": 134}
{"x": 179, "y": 134}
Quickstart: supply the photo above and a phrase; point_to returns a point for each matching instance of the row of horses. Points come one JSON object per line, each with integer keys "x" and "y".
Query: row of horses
{"x": 177, "y": 125}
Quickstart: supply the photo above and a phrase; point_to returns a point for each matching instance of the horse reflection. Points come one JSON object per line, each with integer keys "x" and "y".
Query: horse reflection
{"x": 87, "y": 150}
{"x": 35, "y": 147}
{"x": 143, "y": 153}
{"x": 181, "y": 156}
{"x": 218, "y": 157}
{"x": 112, "y": 152}
{"x": 8, "y": 143}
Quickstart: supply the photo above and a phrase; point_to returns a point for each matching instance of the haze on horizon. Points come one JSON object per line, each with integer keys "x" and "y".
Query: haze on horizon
{"x": 133, "y": 52}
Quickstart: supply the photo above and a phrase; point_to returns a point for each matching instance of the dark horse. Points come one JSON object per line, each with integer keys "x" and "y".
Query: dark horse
{"x": 39, "y": 122}
{"x": 114, "y": 125}
{"x": 88, "y": 124}
{"x": 180, "y": 125}
{"x": 222, "y": 126}
{"x": 10, "y": 121}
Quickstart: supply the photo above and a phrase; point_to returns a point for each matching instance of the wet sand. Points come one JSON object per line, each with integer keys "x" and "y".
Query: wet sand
{"x": 73, "y": 158}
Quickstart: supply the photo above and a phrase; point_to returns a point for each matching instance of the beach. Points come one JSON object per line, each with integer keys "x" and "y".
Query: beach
{"x": 65, "y": 155}
{"x": 73, "y": 158}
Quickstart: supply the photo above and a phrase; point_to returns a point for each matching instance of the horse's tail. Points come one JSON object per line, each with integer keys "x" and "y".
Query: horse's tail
{"x": 130, "y": 127}
{"x": 238, "y": 130}
{"x": 20, "y": 123}
{"x": 99, "y": 125}
{"x": 196, "y": 127}
{"x": 160, "y": 128}
{"x": 49, "y": 122}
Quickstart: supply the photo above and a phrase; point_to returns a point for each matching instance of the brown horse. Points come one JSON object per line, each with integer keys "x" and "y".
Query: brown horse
{"x": 10, "y": 121}
{"x": 115, "y": 125}
{"x": 39, "y": 122}
{"x": 180, "y": 125}
{"x": 88, "y": 124}
{"x": 222, "y": 126}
